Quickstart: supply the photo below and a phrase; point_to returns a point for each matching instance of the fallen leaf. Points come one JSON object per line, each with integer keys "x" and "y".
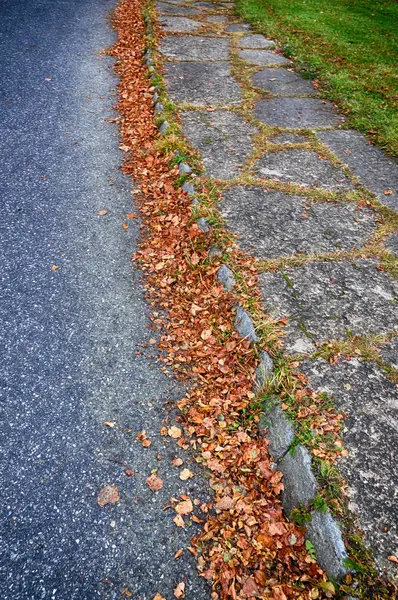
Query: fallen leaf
{"x": 154, "y": 482}
{"x": 54, "y": 268}
{"x": 184, "y": 508}
{"x": 158, "y": 597}
{"x": 131, "y": 216}
{"x": 179, "y": 591}
{"x": 108, "y": 495}
{"x": 109, "y": 424}
{"x": 174, "y": 432}
{"x": 102, "y": 212}
{"x": 186, "y": 474}
{"x": 179, "y": 521}
{"x": 125, "y": 226}
{"x": 129, "y": 472}
{"x": 225, "y": 503}
{"x": 387, "y": 192}
{"x": 47, "y": 79}
{"x": 393, "y": 558}
{"x": 178, "y": 553}
{"x": 177, "y": 462}
{"x": 206, "y": 333}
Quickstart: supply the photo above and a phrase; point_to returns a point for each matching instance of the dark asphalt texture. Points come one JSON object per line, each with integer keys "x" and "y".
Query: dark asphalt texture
{"x": 69, "y": 336}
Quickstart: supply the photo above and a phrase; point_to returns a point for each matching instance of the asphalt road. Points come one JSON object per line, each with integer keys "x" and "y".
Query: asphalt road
{"x": 69, "y": 336}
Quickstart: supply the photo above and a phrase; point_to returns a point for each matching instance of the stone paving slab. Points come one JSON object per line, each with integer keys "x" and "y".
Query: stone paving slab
{"x": 331, "y": 300}
{"x": 263, "y": 57}
{"x": 179, "y": 24}
{"x": 185, "y": 48}
{"x": 370, "y": 164}
{"x": 392, "y": 244}
{"x": 165, "y": 9}
{"x": 223, "y": 139}
{"x": 238, "y": 28}
{"x": 282, "y": 81}
{"x": 296, "y": 113}
{"x": 371, "y": 437}
{"x": 304, "y": 167}
{"x": 389, "y": 353}
{"x": 202, "y": 83}
{"x": 288, "y": 139}
{"x": 256, "y": 40}
{"x": 273, "y": 224}
{"x": 217, "y": 19}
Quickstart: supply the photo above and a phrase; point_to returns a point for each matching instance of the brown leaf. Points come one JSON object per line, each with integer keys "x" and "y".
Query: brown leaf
{"x": 225, "y": 503}
{"x": 154, "y": 482}
{"x": 178, "y": 553}
{"x": 186, "y": 474}
{"x": 131, "y": 216}
{"x": 179, "y": 521}
{"x": 54, "y": 268}
{"x": 393, "y": 558}
{"x": 109, "y": 424}
{"x": 174, "y": 432}
{"x": 177, "y": 462}
{"x": 102, "y": 212}
{"x": 125, "y": 226}
{"x": 158, "y": 597}
{"x": 184, "y": 508}
{"x": 129, "y": 472}
{"x": 108, "y": 495}
{"x": 179, "y": 591}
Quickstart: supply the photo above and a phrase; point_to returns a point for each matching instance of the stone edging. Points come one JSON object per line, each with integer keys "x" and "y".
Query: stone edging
{"x": 293, "y": 460}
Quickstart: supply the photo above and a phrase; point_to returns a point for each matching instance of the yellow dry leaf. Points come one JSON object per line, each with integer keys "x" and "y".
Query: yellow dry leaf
{"x": 174, "y": 432}
{"x": 186, "y": 474}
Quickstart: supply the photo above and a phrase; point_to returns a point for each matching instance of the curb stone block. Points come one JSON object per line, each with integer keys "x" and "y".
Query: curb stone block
{"x": 214, "y": 252}
{"x": 298, "y": 479}
{"x": 158, "y": 107}
{"x": 164, "y": 127}
{"x": 264, "y": 369}
{"x": 155, "y": 97}
{"x": 184, "y": 169}
{"x": 203, "y": 224}
{"x": 226, "y": 277}
{"x": 188, "y": 188}
{"x": 325, "y": 535}
{"x": 280, "y": 431}
{"x": 244, "y": 325}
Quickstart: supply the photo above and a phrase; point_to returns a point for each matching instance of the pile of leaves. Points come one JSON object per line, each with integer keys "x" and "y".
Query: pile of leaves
{"x": 247, "y": 548}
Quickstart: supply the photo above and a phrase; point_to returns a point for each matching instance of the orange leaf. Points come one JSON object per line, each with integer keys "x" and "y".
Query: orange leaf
{"x": 108, "y": 495}
{"x": 154, "y": 482}
{"x": 184, "y": 508}
{"x": 179, "y": 591}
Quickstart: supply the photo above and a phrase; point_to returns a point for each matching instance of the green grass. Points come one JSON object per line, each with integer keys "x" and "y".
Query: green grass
{"x": 350, "y": 46}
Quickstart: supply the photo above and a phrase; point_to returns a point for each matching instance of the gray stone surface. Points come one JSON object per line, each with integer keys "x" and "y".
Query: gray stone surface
{"x": 371, "y": 437}
{"x": 226, "y": 277}
{"x": 165, "y": 8}
{"x": 217, "y": 19}
{"x": 325, "y": 535}
{"x": 279, "y": 431}
{"x": 304, "y": 167}
{"x": 179, "y": 24}
{"x": 195, "y": 47}
{"x": 203, "y": 224}
{"x": 370, "y": 164}
{"x": 389, "y": 353}
{"x": 256, "y": 41}
{"x": 298, "y": 479}
{"x": 282, "y": 81}
{"x": 296, "y": 113}
{"x": 223, "y": 138}
{"x": 203, "y": 83}
{"x": 274, "y": 224}
{"x": 184, "y": 169}
{"x": 265, "y": 368}
{"x": 289, "y": 138}
{"x": 238, "y": 27}
{"x": 188, "y": 188}
{"x": 244, "y": 325}
{"x": 332, "y": 300}
{"x": 263, "y": 57}
{"x": 164, "y": 127}
{"x": 391, "y": 244}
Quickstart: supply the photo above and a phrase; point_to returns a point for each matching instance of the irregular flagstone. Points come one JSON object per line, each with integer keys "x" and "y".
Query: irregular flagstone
{"x": 165, "y": 9}
{"x": 392, "y": 244}
{"x": 304, "y": 167}
{"x": 296, "y": 113}
{"x": 217, "y": 19}
{"x": 195, "y": 48}
{"x": 331, "y": 300}
{"x": 273, "y": 224}
{"x": 179, "y": 24}
{"x": 325, "y": 535}
{"x": 205, "y": 5}
{"x": 289, "y": 138}
{"x": 202, "y": 83}
{"x": 238, "y": 27}
{"x": 369, "y": 163}
{"x": 256, "y": 41}
{"x": 263, "y": 57}
{"x": 371, "y": 437}
{"x": 389, "y": 353}
{"x": 282, "y": 81}
{"x": 223, "y": 138}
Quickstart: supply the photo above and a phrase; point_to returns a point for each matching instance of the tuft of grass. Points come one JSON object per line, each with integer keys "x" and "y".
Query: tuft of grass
{"x": 350, "y": 47}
